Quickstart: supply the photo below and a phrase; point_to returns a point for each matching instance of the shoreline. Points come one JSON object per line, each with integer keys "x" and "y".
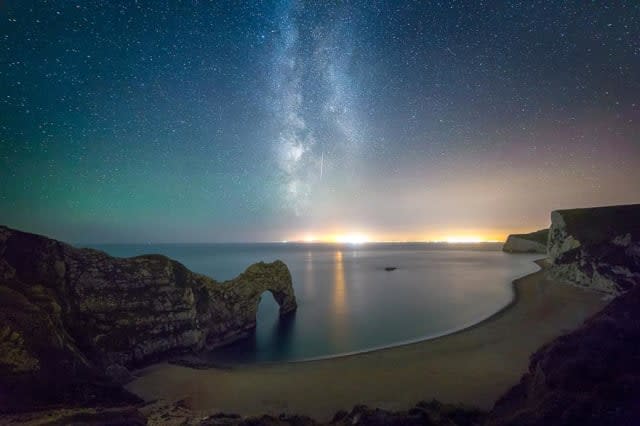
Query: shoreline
{"x": 473, "y": 365}
{"x": 196, "y": 363}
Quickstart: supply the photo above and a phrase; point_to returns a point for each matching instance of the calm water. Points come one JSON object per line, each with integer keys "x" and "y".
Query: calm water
{"x": 347, "y": 302}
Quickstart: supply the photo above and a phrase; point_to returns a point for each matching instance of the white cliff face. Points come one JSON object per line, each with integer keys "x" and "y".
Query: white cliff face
{"x": 573, "y": 273}
{"x": 517, "y": 244}
{"x": 534, "y": 242}
{"x": 597, "y": 248}
{"x": 559, "y": 240}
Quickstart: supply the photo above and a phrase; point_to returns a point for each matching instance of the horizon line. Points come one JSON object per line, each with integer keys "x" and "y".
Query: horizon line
{"x": 284, "y": 242}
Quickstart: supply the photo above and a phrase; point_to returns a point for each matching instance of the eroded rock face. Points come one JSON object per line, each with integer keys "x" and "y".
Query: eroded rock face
{"x": 534, "y": 242}
{"x": 596, "y": 247}
{"x": 69, "y": 314}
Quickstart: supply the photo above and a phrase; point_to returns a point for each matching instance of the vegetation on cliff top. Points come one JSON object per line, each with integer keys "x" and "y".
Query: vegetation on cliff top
{"x": 537, "y": 236}
{"x": 600, "y": 224}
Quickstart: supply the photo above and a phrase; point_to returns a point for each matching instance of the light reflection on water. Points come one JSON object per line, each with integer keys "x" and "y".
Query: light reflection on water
{"x": 309, "y": 282}
{"x": 347, "y": 302}
{"x": 338, "y": 309}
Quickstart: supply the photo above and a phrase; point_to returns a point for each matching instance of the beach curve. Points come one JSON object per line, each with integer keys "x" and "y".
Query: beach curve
{"x": 473, "y": 365}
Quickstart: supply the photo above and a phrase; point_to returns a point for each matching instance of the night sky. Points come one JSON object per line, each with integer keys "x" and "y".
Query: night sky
{"x": 196, "y": 121}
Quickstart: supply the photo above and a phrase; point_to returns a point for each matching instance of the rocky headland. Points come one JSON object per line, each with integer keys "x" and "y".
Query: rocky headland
{"x": 54, "y": 327}
{"x": 592, "y": 375}
{"x": 73, "y": 321}
{"x": 598, "y": 248}
{"x": 534, "y": 242}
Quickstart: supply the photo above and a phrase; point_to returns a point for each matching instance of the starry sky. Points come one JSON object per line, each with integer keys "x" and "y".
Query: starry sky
{"x": 198, "y": 121}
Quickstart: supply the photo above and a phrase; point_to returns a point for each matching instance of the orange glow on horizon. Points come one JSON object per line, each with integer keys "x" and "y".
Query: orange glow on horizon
{"x": 453, "y": 236}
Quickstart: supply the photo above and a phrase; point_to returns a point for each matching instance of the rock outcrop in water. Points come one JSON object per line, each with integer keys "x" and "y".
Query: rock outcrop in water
{"x": 534, "y": 242}
{"x": 74, "y": 320}
{"x": 596, "y": 247}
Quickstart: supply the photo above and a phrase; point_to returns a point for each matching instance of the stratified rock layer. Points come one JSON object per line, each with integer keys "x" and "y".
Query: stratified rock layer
{"x": 596, "y": 247}
{"x": 534, "y": 242}
{"x": 69, "y": 317}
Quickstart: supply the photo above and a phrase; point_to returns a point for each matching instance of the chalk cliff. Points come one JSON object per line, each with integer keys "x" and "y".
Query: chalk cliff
{"x": 596, "y": 247}
{"x": 72, "y": 321}
{"x": 534, "y": 242}
{"x": 592, "y": 375}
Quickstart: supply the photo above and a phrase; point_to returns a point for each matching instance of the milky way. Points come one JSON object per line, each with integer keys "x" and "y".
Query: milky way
{"x": 308, "y": 70}
{"x": 272, "y": 120}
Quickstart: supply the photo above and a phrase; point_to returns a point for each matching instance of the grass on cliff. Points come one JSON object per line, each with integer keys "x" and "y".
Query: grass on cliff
{"x": 537, "y": 236}
{"x": 598, "y": 224}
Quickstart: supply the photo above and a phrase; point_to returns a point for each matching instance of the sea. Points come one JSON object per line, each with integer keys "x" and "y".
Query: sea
{"x": 347, "y": 301}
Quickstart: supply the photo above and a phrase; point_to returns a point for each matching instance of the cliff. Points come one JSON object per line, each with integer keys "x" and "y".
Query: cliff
{"x": 534, "y": 242}
{"x": 592, "y": 375}
{"x": 72, "y": 321}
{"x": 596, "y": 247}
{"x": 588, "y": 377}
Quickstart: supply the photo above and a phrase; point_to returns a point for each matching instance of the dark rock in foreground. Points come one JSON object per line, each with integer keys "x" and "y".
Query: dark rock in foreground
{"x": 590, "y": 377}
{"x": 534, "y": 242}
{"x": 70, "y": 318}
{"x": 424, "y": 413}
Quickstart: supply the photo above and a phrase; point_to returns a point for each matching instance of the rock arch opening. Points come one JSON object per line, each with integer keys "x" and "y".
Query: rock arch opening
{"x": 242, "y": 297}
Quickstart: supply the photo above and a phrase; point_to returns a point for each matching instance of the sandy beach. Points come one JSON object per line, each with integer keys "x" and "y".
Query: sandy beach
{"x": 474, "y": 366}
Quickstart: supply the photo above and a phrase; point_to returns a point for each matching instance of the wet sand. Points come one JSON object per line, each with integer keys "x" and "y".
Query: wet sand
{"x": 474, "y": 366}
